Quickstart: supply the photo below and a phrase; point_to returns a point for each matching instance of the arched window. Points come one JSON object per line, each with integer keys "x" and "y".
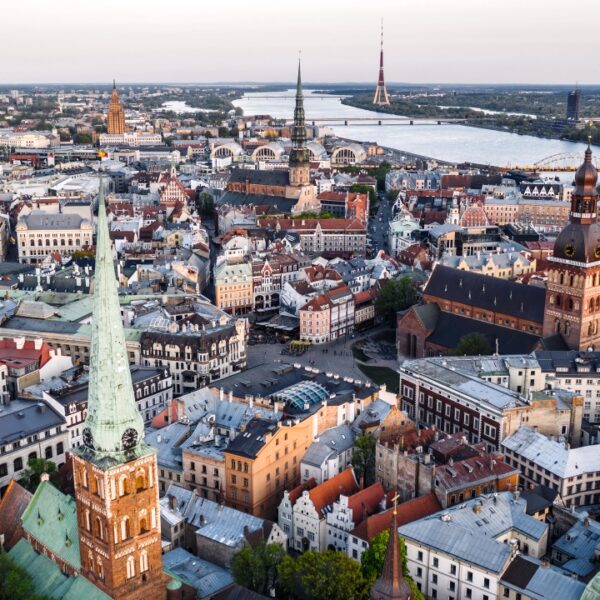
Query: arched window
{"x": 558, "y": 301}
{"x": 88, "y": 523}
{"x": 99, "y": 568}
{"x": 130, "y": 567}
{"x": 143, "y": 561}
{"x": 123, "y": 485}
{"x": 570, "y": 303}
{"x": 99, "y": 529}
{"x": 557, "y": 326}
{"x": 552, "y": 300}
{"x": 84, "y": 478}
{"x": 143, "y": 525}
{"x": 591, "y": 306}
{"x": 140, "y": 480}
{"x": 125, "y": 529}
{"x": 567, "y": 327}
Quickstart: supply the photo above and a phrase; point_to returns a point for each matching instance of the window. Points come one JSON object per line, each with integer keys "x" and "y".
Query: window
{"x": 452, "y": 569}
{"x": 143, "y": 561}
{"x": 420, "y": 556}
{"x": 468, "y": 593}
{"x": 434, "y": 578}
{"x": 18, "y": 464}
{"x": 130, "y": 567}
{"x": 486, "y": 583}
{"x": 3, "y": 470}
{"x": 436, "y": 563}
{"x": 60, "y": 448}
{"x": 469, "y": 576}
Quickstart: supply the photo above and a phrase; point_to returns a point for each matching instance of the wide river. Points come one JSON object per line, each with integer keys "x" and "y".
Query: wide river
{"x": 454, "y": 143}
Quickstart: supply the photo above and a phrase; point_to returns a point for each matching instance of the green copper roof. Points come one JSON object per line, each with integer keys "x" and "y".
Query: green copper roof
{"x": 592, "y": 591}
{"x": 48, "y": 579}
{"x": 51, "y": 518}
{"x": 112, "y": 411}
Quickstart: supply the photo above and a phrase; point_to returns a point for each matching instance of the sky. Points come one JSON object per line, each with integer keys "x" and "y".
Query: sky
{"x": 202, "y": 41}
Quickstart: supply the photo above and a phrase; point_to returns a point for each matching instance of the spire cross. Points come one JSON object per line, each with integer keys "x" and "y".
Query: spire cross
{"x": 395, "y": 501}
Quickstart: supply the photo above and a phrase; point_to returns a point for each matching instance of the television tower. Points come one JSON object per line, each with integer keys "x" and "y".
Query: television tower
{"x": 381, "y": 97}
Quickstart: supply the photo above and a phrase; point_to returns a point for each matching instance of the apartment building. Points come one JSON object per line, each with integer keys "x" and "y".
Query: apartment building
{"x": 30, "y": 430}
{"x": 328, "y": 316}
{"x": 455, "y": 397}
{"x": 463, "y": 551}
{"x": 263, "y": 461}
{"x": 234, "y": 287}
{"x": 572, "y": 472}
{"x": 40, "y": 234}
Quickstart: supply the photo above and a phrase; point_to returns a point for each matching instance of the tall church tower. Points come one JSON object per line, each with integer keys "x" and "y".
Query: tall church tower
{"x": 299, "y": 155}
{"x": 115, "y": 474}
{"x": 116, "y": 114}
{"x": 392, "y": 585}
{"x": 573, "y": 291}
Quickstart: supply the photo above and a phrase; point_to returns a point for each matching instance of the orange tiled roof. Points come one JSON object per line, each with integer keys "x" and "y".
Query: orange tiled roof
{"x": 366, "y": 502}
{"x": 329, "y": 491}
{"x": 408, "y": 511}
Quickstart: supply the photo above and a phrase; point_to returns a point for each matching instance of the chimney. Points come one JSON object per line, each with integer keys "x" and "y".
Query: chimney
{"x": 230, "y": 396}
{"x": 44, "y": 477}
{"x": 37, "y": 343}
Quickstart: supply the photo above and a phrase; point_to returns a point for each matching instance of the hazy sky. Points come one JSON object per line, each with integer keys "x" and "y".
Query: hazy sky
{"x": 470, "y": 41}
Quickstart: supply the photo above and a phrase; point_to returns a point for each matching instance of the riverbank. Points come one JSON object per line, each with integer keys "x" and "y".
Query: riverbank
{"x": 543, "y": 128}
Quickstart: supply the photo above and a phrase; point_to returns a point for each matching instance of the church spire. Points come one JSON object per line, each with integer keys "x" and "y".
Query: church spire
{"x": 299, "y": 131}
{"x": 392, "y": 585}
{"x": 113, "y": 426}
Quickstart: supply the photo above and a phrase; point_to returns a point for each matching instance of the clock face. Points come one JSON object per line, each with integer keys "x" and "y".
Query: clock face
{"x": 129, "y": 438}
{"x": 569, "y": 250}
{"x": 88, "y": 439}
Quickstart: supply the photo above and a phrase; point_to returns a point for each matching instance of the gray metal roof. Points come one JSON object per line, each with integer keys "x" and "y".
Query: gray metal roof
{"x": 552, "y": 455}
{"x": 580, "y": 543}
{"x": 205, "y": 577}
{"x": 469, "y": 531}
{"x": 43, "y": 221}
{"x": 23, "y": 418}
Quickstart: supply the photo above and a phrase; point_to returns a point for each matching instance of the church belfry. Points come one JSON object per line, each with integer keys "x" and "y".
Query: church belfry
{"x": 573, "y": 290}
{"x": 299, "y": 156}
{"x": 115, "y": 473}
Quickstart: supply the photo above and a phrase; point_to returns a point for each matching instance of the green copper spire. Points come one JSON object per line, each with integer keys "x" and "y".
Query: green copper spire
{"x": 299, "y": 153}
{"x": 113, "y": 426}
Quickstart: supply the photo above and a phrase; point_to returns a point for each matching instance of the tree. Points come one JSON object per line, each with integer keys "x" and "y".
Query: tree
{"x": 205, "y": 204}
{"x": 256, "y": 567}
{"x": 472, "y": 344}
{"x": 392, "y": 195}
{"x": 363, "y": 458}
{"x": 321, "y": 576}
{"x": 31, "y": 477}
{"x": 15, "y": 582}
{"x": 372, "y": 559}
{"x": 395, "y": 295}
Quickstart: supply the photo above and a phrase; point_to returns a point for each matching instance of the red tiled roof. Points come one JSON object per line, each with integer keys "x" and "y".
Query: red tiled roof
{"x": 14, "y": 357}
{"x": 366, "y": 296}
{"x": 13, "y": 504}
{"x": 294, "y": 494}
{"x": 409, "y": 511}
{"x": 469, "y": 471}
{"x": 366, "y": 502}
{"x": 329, "y": 491}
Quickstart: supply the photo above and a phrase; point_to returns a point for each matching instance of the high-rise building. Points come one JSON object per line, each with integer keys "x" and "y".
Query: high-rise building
{"x": 116, "y": 115}
{"x": 573, "y": 103}
{"x": 572, "y": 306}
{"x": 115, "y": 473}
{"x": 381, "y": 97}
{"x": 299, "y": 155}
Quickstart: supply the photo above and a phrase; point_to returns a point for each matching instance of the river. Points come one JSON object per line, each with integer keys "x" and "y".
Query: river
{"x": 453, "y": 143}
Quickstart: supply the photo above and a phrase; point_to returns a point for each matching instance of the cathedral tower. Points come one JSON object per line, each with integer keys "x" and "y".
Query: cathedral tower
{"x": 299, "y": 155}
{"x": 115, "y": 474}
{"x": 115, "y": 121}
{"x": 573, "y": 290}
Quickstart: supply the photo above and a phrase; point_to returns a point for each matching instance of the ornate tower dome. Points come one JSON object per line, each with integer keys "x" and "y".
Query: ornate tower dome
{"x": 579, "y": 241}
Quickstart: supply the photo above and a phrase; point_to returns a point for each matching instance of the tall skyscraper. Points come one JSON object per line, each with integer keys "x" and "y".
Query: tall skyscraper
{"x": 299, "y": 156}
{"x": 115, "y": 473}
{"x": 573, "y": 103}
{"x": 572, "y": 306}
{"x": 116, "y": 114}
{"x": 381, "y": 97}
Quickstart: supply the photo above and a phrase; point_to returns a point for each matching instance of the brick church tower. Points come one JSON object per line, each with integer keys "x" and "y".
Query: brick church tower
{"x": 299, "y": 156}
{"x": 573, "y": 291}
{"x": 115, "y": 474}
{"x": 115, "y": 122}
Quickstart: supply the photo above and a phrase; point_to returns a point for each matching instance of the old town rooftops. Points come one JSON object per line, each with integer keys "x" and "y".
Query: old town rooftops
{"x": 490, "y": 293}
{"x": 553, "y": 455}
{"x": 446, "y": 375}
